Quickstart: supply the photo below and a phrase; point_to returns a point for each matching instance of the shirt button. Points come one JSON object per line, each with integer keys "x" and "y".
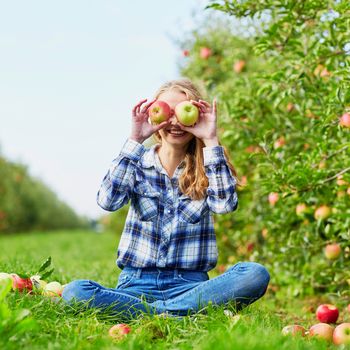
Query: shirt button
{"x": 169, "y": 211}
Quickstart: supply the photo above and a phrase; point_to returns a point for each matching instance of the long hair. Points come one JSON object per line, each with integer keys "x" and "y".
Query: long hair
{"x": 193, "y": 180}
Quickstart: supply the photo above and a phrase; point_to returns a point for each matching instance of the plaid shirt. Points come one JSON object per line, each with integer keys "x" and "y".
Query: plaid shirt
{"x": 164, "y": 227}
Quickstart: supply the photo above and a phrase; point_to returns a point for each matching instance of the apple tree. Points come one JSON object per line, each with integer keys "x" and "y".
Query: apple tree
{"x": 280, "y": 70}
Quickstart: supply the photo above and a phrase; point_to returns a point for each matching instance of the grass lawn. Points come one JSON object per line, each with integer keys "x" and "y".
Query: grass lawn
{"x": 88, "y": 255}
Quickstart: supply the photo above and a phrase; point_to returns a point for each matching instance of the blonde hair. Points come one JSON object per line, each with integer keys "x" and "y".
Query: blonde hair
{"x": 193, "y": 180}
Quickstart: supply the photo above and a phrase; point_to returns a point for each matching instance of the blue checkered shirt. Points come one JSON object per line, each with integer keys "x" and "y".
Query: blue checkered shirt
{"x": 164, "y": 227}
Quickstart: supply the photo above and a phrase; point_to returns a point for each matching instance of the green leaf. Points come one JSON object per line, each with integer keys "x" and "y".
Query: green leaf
{"x": 45, "y": 265}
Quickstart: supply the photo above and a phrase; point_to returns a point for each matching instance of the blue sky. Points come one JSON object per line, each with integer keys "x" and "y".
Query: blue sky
{"x": 70, "y": 73}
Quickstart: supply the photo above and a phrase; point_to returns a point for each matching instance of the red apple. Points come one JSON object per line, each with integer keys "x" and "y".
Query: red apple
{"x": 332, "y": 251}
{"x": 159, "y": 112}
{"x": 341, "y": 334}
{"x": 22, "y": 284}
{"x": 273, "y": 198}
{"x": 322, "y": 330}
{"x": 238, "y": 66}
{"x": 119, "y": 331}
{"x": 250, "y": 247}
{"x": 345, "y": 120}
{"x": 205, "y": 52}
{"x": 186, "y": 53}
{"x": 322, "y": 212}
{"x": 294, "y": 329}
{"x": 186, "y": 113}
{"x": 327, "y": 313}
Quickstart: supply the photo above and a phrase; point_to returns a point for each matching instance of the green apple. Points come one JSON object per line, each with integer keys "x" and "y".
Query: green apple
{"x": 53, "y": 289}
{"x": 186, "y": 113}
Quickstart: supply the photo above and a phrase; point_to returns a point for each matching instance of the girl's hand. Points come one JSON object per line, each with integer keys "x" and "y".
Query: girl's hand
{"x": 205, "y": 128}
{"x": 141, "y": 129}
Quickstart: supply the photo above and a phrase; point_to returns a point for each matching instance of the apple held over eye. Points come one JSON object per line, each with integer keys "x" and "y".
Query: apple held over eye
{"x": 294, "y": 329}
{"x": 322, "y": 330}
{"x": 186, "y": 113}
{"x": 341, "y": 334}
{"x": 119, "y": 331}
{"x": 332, "y": 251}
{"x": 159, "y": 112}
{"x": 327, "y": 313}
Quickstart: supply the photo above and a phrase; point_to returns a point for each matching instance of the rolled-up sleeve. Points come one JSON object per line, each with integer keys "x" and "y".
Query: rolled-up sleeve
{"x": 222, "y": 196}
{"x": 118, "y": 183}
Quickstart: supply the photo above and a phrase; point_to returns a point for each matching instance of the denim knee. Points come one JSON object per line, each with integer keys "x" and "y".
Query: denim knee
{"x": 80, "y": 290}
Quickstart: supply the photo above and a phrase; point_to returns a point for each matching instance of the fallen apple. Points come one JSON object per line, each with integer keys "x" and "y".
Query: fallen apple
{"x": 322, "y": 212}
{"x": 186, "y": 113}
{"x": 345, "y": 120}
{"x": 159, "y": 112}
{"x": 273, "y": 198}
{"x": 332, "y": 251}
{"x": 186, "y": 53}
{"x": 53, "y": 289}
{"x": 205, "y": 52}
{"x": 322, "y": 330}
{"x": 119, "y": 331}
{"x": 294, "y": 329}
{"x": 5, "y": 276}
{"x": 341, "y": 334}
{"x": 327, "y": 313}
{"x": 21, "y": 284}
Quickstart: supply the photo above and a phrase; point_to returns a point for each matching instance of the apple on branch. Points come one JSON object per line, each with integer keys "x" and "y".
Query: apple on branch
{"x": 332, "y": 251}
{"x": 186, "y": 113}
{"x": 205, "y": 52}
{"x": 159, "y": 112}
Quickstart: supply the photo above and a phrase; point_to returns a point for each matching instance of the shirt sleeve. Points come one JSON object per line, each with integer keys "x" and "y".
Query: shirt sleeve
{"x": 119, "y": 181}
{"x": 222, "y": 196}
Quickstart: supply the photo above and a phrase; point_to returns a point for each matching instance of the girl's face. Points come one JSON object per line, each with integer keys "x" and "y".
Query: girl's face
{"x": 172, "y": 98}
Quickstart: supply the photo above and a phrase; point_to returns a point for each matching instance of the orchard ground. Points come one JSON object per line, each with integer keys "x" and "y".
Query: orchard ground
{"x": 88, "y": 255}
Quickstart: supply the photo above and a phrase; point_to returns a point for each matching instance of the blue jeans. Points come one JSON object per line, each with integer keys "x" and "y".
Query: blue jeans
{"x": 172, "y": 291}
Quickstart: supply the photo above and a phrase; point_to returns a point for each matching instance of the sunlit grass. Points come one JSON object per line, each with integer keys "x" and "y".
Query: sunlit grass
{"x": 92, "y": 256}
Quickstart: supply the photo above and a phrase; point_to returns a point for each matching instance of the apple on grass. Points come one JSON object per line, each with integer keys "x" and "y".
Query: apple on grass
{"x": 119, "y": 331}
{"x": 205, "y": 52}
{"x": 38, "y": 283}
{"x": 322, "y": 330}
{"x": 341, "y": 334}
{"x": 327, "y": 313}
{"x": 273, "y": 198}
{"x": 294, "y": 329}
{"x": 186, "y": 113}
{"x": 21, "y": 284}
{"x": 53, "y": 289}
{"x": 159, "y": 112}
{"x": 345, "y": 120}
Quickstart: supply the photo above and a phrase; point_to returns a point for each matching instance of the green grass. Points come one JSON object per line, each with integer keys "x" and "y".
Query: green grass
{"x": 88, "y": 255}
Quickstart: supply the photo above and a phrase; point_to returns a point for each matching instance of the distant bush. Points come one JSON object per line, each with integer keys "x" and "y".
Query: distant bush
{"x": 28, "y": 204}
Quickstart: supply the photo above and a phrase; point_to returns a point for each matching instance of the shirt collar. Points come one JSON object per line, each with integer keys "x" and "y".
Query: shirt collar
{"x": 151, "y": 159}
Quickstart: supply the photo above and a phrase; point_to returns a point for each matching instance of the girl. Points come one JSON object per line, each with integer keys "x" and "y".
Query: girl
{"x": 168, "y": 244}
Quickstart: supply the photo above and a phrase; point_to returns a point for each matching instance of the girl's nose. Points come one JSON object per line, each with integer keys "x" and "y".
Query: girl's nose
{"x": 173, "y": 119}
